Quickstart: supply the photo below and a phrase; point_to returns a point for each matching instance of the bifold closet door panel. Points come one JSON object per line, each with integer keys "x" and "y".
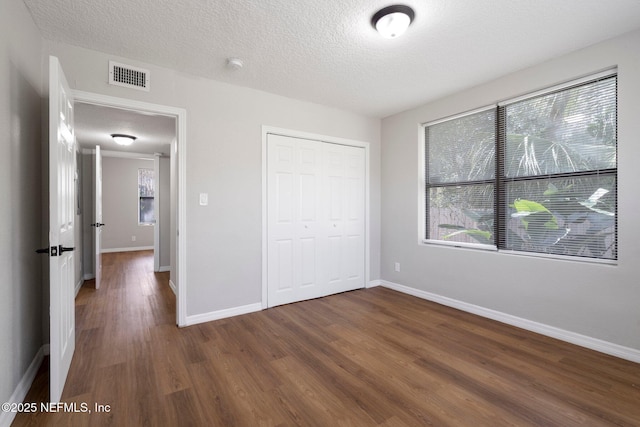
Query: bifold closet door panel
{"x": 294, "y": 169}
{"x": 355, "y": 219}
{"x": 344, "y": 196}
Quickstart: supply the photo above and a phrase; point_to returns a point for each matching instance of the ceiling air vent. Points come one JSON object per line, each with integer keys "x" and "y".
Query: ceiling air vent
{"x": 128, "y": 76}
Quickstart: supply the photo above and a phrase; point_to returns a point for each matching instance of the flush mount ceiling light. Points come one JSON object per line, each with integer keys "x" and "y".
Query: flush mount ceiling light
{"x": 392, "y": 21}
{"x": 122, "y": 139}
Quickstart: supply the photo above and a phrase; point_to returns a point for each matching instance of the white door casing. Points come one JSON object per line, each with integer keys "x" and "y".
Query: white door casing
{"x": 97, "y": 171}
{"x": 316, "y": 218}
{"x": 62, "y": 169}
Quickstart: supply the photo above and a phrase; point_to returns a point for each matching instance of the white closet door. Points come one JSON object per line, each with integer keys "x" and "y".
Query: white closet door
{"x": 345, "y": 217}
{"x": 351, "y": 223}
{"x": 294, "y": 235}
{"x": 315, "y": 219}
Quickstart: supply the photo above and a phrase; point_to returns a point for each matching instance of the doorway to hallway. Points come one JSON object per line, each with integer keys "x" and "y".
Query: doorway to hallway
{"x": 141, "y": 114}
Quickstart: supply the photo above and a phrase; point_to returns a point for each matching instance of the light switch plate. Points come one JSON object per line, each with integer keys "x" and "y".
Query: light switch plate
{"x": 204, "y": 199}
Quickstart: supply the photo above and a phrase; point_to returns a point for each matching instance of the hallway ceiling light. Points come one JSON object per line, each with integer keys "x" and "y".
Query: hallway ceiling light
{"x": 392, "y": 21}
{"x": 122, "y": 139}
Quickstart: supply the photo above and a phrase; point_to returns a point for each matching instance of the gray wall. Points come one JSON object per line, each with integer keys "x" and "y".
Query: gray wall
{"x": 80, "y": 215}
{"x": 88, "y": 213}
{"x": 223, "y": 159}
{"x": 173, "y": 221}
{"x": 164, "y": 186}
{"x": 21, "y": 209}
{"x": 120, "y": 204}
{"x": 599, "y": 301}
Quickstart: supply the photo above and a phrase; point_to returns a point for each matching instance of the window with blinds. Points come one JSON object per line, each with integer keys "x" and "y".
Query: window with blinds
{"x": 537, "y": 174}
{"x": 146, "y": 197}
{"x": 461, "y": 175}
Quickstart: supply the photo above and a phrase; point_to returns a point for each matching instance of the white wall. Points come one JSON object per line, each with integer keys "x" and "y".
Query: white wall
{"x": 21, "y": 209}
{"x": 599, "y": 301}
{"x": 120, "y": 204}
{"x": 224, "y": 160}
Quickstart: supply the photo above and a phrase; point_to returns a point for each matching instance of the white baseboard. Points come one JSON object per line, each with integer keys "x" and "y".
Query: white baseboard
{"x": 131, "y": 249}
{"x": 79, "y": 285}
{"x": 596, "y": 344}
{"x": 173, "y": 287}
{"x": 164, "y": 268}
{"x": 374, "y": 283}
{"x": 6, "y": 418}
{"x": 221, "y": 314}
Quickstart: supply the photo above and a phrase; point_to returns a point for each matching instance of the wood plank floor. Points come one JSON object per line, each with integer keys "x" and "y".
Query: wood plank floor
{"x": 371, "y": 357}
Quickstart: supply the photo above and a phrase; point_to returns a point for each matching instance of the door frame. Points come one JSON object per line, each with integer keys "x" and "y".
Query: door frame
{"x": 180, "y": 114}
{"x": 266, "y": 130}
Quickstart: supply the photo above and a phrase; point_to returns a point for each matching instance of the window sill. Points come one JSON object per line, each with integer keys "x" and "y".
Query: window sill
{"x": 460, "y": 245}
{"x": 490, "y": 248}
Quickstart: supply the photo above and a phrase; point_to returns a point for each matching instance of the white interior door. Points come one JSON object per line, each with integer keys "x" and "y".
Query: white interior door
{"x": 62, "y": 160}
{"x": 315, "y": 219}
{"x": 97, "y": 191}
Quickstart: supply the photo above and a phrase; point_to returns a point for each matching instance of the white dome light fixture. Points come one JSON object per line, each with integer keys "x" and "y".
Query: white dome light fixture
{"x": 122, "y": 139}
{"x": 393, "y": 21}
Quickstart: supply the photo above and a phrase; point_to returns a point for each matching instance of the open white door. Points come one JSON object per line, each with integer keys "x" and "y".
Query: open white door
{"x": 62, "y": 158}
{"x": 97, "y": 178}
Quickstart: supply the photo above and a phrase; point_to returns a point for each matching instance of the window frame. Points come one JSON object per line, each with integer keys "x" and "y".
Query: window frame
{"x": 500, "y": 180}
{"x": 140, "y": 198}
{"x": 425, "y": 186}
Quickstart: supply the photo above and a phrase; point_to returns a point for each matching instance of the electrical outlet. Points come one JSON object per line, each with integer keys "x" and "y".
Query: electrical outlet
{"x": 397, "y": 267}
{"x": 133, "y": 238}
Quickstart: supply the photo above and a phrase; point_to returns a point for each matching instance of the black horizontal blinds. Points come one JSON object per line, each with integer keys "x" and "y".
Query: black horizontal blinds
{"x": 460, "y": 178}
{"x": 558, "y": 172}
{"x": 569, "y": 131}
{"x": 462, "y": 149}
{"x": 538, "y": 174}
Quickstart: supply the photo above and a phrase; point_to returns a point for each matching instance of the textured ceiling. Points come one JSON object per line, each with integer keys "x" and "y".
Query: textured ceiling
{"x": 95, "y": 124}
{"x": 327, "y": 52}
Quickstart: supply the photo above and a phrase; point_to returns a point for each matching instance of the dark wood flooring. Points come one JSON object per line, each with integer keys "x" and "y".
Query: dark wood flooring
{"x": 371, "y": 357}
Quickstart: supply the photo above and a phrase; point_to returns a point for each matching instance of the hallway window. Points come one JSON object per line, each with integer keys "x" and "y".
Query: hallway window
{"x": 146, "y": 204}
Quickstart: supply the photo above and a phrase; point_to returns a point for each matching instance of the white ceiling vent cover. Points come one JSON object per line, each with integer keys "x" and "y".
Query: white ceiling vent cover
{"x": 128, "y": 76}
